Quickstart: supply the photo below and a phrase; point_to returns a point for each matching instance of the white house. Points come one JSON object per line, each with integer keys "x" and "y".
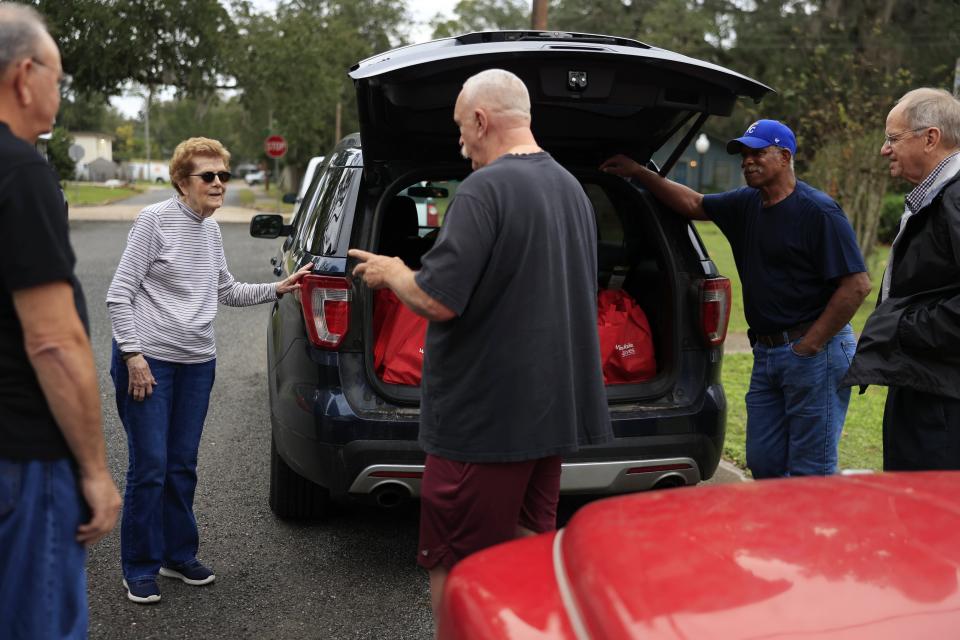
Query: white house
{"x": 97, "y": 145}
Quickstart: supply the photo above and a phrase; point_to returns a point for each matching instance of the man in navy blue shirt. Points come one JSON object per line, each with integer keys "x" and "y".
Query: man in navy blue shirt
{"x": 803, "y": 279}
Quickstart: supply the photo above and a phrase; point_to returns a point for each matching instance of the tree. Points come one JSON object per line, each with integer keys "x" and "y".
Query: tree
{"x": 58, "y": 150}
{"x": 292, "y": 66}
{"x": 88, "y": 112}
{"x": 107, "y": 43}
{"x": 126, "y": 144}
{"x": 693, "y": 27}
{"x": 847, "y": 169}
{"x": 483, "y": 15}
{"x": 210, "y": 116}
{"x": 839, "y": 67}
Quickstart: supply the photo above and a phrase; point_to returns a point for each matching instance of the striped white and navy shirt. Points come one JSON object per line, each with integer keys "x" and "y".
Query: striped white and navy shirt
{"x": 164, "y": 295}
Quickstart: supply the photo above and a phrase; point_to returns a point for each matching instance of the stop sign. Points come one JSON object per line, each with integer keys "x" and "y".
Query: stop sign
{"x": 275, "y": 146}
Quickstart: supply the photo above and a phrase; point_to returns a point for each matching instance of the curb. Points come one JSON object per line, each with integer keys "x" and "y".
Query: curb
{"x": 728, "y": 473}
{"x": 128, "y": 212}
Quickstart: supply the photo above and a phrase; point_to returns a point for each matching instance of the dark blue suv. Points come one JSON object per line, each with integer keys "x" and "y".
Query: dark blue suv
{"x": 340, "y": 430}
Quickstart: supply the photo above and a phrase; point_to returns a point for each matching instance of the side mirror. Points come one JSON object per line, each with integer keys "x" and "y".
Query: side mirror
{"x": 290, "y": 198}
{"x": 268, "y": 225}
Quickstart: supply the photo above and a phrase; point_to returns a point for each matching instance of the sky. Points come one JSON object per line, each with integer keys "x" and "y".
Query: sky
{"x": 422, "y": 11}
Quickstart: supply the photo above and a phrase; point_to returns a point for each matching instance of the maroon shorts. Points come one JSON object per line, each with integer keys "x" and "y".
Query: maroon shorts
{"x": 466, "y": 507}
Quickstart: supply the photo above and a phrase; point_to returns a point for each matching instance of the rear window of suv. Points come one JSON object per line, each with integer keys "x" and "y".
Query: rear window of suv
{"x": 318, "y": 222}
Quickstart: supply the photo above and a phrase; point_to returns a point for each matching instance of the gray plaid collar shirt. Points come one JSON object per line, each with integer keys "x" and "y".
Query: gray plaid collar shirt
{"x": 916, "y": 197}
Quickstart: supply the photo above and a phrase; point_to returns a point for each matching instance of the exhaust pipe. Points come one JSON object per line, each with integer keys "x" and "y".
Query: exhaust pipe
{"x": 670, "y": 482}
{"x": 391, "y": 495}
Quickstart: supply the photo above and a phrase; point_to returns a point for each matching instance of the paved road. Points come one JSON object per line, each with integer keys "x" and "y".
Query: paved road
{"x": 352, "y": 576}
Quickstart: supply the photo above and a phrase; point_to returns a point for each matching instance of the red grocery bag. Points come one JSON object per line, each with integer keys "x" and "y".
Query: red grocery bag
{"x": 626, "y": 343}
{"x": 399, "y": 337}
{"x": 385, "y": 303}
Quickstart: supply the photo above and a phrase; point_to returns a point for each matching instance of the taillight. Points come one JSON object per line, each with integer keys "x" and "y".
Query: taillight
{"x": 433, "y": 217}
{"x": 715, "y": 310}
{"x": 326, "y": 309}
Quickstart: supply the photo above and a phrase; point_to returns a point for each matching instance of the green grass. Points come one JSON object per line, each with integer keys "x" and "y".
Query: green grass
{"x": 736, "y": 379}
{"x": 81, "y": 194}
{"x": 722, "y": 256}
{"x": 246, "y": 197}
{"x": 861, "y": 444}
{"x": 269, "y": 201}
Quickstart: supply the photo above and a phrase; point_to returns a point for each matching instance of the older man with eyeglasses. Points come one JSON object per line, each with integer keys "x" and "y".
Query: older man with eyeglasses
{"x": 56, "y": 493}
{"x": 911, "y": 343}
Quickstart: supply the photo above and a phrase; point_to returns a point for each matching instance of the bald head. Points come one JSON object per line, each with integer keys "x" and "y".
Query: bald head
{"x": 500, "y": 92}
{"x": 493, "y": 115}
{"x": 22, "y": 30}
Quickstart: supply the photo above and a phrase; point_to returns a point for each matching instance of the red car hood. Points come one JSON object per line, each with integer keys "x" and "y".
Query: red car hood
{"x": 859, "y": 557}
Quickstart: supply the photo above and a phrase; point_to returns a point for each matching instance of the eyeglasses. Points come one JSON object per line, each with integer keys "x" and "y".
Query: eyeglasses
{"x": 208, "y": 176}
{"x": 893, "y": 138}
{"x": 62, "y": 80}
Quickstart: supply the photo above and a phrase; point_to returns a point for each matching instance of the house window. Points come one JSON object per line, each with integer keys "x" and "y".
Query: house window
{"x": 680, "y": 172}
{"x": 721, "y": 175}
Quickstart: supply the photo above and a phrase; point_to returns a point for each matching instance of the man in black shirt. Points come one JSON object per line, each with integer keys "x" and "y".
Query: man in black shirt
{"x": 56, "y": 493}
{"x": 511, "y": 374}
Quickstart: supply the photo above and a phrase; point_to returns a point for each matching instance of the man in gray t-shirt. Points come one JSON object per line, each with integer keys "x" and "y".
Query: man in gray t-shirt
{"x": 512, "y": 377}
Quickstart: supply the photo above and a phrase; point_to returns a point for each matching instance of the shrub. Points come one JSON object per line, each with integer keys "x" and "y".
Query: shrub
{"x": 58, "y": 151}
{"x": 890, "y": 212}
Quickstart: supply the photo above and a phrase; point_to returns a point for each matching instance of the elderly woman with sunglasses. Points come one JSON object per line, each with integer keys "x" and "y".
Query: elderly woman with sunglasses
{"x": 162, "y": 303}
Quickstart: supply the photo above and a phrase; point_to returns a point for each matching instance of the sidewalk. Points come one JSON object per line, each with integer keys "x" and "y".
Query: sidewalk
{"x": 728, "y": 472}
{"x": 737, "y": 343}
{"x": 121, "y": 212}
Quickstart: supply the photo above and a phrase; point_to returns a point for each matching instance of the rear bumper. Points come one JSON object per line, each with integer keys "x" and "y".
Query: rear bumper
{"x": 612, "y": 477}
{"x": 626, "y": 465}
{"x": 351, "y": 455}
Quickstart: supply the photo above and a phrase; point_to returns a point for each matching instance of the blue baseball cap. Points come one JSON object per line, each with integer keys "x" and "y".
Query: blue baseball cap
{"x": 764, "y": 133}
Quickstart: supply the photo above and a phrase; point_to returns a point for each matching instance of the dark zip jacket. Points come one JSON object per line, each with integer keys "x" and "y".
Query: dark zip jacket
{"x": 912, "y": 339}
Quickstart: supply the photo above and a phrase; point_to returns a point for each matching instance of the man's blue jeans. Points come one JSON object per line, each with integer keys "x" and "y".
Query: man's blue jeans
{"x": 43, "y": 585}
{"x": 163, "y": 436}
{"x": 795, "y": 411}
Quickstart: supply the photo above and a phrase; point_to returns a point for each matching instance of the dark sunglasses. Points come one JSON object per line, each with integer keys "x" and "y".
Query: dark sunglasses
{"x": 208, "y": 176}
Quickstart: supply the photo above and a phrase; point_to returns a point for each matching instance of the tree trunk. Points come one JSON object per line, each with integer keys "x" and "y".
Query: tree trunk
{"x": 538, "y": 15}
{"x": 849, "y": 172}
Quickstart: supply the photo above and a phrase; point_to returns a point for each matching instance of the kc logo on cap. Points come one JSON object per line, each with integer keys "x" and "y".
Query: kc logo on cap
{"x": 764, "y": 133}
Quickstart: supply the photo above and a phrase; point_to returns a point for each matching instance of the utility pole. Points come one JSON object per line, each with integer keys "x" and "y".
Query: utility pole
{"x": 337, "y": 124}
{"x": 538, "y": 15}
{"x": 146, "y": 135}
{"x": 956, "y": 79}
{"x": 266, "y": 172}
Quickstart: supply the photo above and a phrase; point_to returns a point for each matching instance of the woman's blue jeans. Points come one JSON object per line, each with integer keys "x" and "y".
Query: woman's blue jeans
{"x": 795, "y": 410}
{"x": 163, "y": 436}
